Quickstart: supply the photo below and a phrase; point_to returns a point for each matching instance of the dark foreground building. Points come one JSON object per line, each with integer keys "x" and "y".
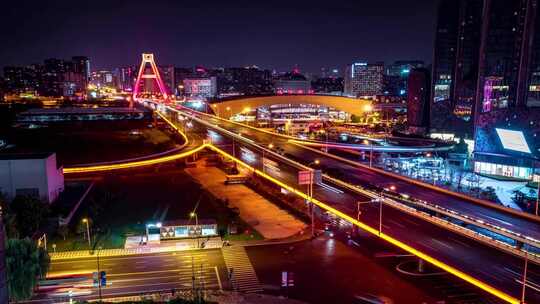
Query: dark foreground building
{"x": 486, "y": 82}
{"x": 418, "y": 88}
{"x": 455, "y": 66}
{"x": 3, "y": 269}
{"x": 507, "y": 135}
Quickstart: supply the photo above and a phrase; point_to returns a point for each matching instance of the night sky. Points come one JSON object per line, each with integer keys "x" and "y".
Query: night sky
{"x": 272, "y": 34}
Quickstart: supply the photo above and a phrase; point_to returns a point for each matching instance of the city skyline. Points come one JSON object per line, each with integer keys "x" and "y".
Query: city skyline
{"x": 308, "y": 34}
{"x": 246, "y": 151}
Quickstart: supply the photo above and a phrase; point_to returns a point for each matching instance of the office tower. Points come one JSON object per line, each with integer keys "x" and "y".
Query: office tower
{"x": 418, "y": 86}
{"x": 397, "y": 74}
{"x": 455, "y": 66}
{"x": 507, "y": 124}
{"x": 364, "y": 79}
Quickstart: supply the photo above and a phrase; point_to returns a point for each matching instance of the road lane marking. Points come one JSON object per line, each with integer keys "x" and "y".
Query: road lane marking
{"x": 442, "y": 244}
{"x": 459, "y": 242}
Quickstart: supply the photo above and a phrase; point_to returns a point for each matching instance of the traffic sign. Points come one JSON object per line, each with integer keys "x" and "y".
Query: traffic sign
{"x": 287, "y": 279}
{"x": 304, "y": 177}
{"x": 103, "y": 278}
{"x": 284, "y": 279}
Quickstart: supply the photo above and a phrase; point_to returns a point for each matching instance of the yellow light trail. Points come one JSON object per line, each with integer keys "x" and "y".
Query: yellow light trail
{"x": 141, "y": 163}
{"x": 186, "y": 140}
{"x": 484, "y": 286}
{"x": 135, "y": 164}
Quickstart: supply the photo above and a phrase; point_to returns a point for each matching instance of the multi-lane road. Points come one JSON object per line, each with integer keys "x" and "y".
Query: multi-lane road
{"x": 136, "y": 275}
{"x": 489, "y": 265}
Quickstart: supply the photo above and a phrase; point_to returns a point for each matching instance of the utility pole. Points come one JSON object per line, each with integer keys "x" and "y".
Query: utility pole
{"x": 193, "y": 279}
{"x": 312, "y": 207}
{"x": 380, "y": 214}
{"x": 99, "y": 275}
{"x": 524, "y": 277}
{"x": 85, "y": 220}
{"x": 537, "y": 197}
{"x": 371, "y": 154}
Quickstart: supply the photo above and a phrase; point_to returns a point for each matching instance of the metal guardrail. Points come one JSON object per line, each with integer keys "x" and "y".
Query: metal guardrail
{"x": 441, "y": 222}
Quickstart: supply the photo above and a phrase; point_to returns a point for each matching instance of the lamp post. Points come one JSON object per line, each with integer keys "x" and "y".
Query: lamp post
{"x": 194, "y": 215}
{"x": 537, "y": 197}
{"x": 371, "y": 151}
{"x": 270, "y": 146}
{"x": 524, "y": 287}
{"x": 310, "y": 192}
{"x": 99, "y": 273}
{"x": 381, "y": 201}
{"x": 85, "y": 220}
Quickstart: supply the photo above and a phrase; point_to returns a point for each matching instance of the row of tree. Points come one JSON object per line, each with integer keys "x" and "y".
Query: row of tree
{"x": 26, "y": 263}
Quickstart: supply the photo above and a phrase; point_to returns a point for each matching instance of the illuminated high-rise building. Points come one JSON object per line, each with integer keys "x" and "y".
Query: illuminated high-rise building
{"x": 418, "y": 87}
{"x": 81, "y": 65}
{"x": 200, "y": 87}
{"x": 167, "y": 74}
{"x": 364, "y": 79}
{"x": 455, "y": 66}
{"x": 507, "y": 124}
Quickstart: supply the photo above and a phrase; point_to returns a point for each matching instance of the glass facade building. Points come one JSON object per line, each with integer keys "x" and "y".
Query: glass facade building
{"x": 364, "y": 79}
{"x": 455, "y": 66}
{"x": 508, "y": 89}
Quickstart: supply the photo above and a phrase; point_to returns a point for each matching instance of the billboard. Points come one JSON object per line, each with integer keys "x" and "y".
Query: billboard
{"x": 513, "y": 140}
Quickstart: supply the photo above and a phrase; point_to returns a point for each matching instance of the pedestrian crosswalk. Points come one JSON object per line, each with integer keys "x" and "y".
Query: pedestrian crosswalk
{"x": 241, "y": 273}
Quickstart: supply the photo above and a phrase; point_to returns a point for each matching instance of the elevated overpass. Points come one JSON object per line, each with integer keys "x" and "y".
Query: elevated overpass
{"x": 482, "y": 263}
{"x": 230, "y": 107}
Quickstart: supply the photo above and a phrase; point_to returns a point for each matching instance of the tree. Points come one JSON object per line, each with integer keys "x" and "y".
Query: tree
{"x": 355, "y": 118}
{"x": 29, "y": 214}
{"x": 490, "y": 194}
{"x": 25, "y": 264}
{"x": 8, "y": 218}
{"x": 63, "y": 231}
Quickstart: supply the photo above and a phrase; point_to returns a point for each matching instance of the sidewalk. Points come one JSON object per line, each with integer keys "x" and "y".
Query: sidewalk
{"x": 168, "y": 246}
{"x": 265, "y": 217}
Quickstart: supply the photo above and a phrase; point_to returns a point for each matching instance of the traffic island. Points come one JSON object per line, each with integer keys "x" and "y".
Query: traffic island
{"x": 418, "y": 268}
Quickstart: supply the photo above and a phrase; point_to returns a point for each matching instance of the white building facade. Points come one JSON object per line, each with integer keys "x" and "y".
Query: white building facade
{"x": 34, "y": 175}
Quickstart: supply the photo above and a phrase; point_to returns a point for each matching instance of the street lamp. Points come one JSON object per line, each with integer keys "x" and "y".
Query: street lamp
{"x": 85, "y": 220}
{"x": 537, "y": 197}
{"x": 310, "y": 192}
{"x": 193, "y": 214}
{"x": 524, "y": 286}
{"x": 371, "y": 151}
{"x": 99, "y": 273}
{"x": 270, "y": 146}
{"x": 381, "y": 201}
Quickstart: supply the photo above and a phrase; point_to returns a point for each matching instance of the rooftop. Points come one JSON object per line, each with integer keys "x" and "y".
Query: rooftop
{"x": 17, "y": 156}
